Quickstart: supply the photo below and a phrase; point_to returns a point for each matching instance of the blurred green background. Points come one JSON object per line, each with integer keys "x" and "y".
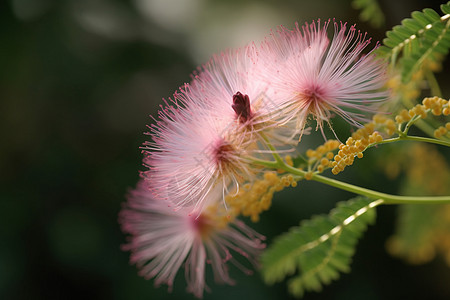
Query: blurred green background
{"x": 78, "y": 79}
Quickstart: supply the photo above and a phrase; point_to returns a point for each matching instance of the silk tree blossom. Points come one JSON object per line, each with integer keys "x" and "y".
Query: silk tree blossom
{"x": 194, "y": 150}
{"x": 230, "y": 85}
{"x": 209, "y": 134}
{"x": 162, "y": 240}
{"x": 313, "y": 76}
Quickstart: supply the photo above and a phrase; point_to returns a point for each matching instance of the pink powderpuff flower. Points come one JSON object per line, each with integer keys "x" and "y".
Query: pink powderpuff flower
{"x": 230, "y": 85}
{"x": 192, "y": 152}
{"x": 311, "y": 76}
{"x": 162, "y": 240}
{"x": 207, "y": 135}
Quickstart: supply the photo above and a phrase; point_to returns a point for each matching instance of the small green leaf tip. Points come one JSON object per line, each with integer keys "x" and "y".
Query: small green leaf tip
{"x": 370, "y": 12}
{"x": 422, "y": 37}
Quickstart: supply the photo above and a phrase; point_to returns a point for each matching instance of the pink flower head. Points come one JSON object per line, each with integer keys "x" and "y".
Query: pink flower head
{"x": 194, "y": 151}
{"x": 208, "y": 135}
{"x": 163, "y": 239}
{"x": 229, "y": 85}
{"x": 311, "y": 76}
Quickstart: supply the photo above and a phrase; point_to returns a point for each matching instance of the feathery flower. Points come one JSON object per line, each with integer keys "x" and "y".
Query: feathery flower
{"x": 206, "y": 137}
{"x": 229, "y": 85}
{"x": 234, "y": 77}
{"x": 311, "y": 76}
{"x": 192, "y": 152}
{"x": 162, "y": 239}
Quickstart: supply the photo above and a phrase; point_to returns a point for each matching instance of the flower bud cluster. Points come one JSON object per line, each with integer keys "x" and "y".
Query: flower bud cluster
{"x": 407, "y": 115}
{"x": 383, "y": 122}
{"x": 354, "y": 147}
{"x": 366, "y": 136}
{"x": 438, "y": 106}
{"x": 321, "y": 157}
{"x": 254, "y": 198}
{"x": 442, "y": 130}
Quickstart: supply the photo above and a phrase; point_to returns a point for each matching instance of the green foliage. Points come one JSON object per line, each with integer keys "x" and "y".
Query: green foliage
{"x": 424, "y": 36}
{"x": 422, "y": 231}
{"x": 320, "y": 248}
{"x": 370, "y": 12}
{"x": 417, "y": 232}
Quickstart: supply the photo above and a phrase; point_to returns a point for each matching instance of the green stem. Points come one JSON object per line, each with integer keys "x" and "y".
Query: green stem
{"x": 265, "y": 163}
{"x": 388, "y": 198}
{"x": 275, "y": 154}
{"x": 427, "y": 140}
{"x": 409, "y": 124}
{"x": 414, "y": 138}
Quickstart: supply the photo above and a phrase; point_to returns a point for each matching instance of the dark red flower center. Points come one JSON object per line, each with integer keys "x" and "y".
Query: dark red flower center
{"x": 203, "y": 225}
{"x": 222, "y": 153}
{"x": 241, "y": 106}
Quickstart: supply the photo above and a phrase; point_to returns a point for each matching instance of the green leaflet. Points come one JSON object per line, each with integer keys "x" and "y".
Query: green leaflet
{"x": 370, "y": 12}
{"x": 417, "y": 39}
{"x": 320, "y": 248}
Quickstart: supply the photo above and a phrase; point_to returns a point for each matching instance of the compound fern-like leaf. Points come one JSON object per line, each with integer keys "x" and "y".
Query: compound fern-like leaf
{"x": 421, "y": 37}
{"x": 320, "y": 248}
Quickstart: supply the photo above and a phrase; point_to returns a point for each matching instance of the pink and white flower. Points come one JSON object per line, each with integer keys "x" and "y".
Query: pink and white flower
{"x": 207, "y": 136}
{"x": 313, "y": 76}
{"x": 229, "y": 84}
{"x": 162, "y": 240}
{"x": 234, "y": 77}
{"x": 192, "y": 152}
